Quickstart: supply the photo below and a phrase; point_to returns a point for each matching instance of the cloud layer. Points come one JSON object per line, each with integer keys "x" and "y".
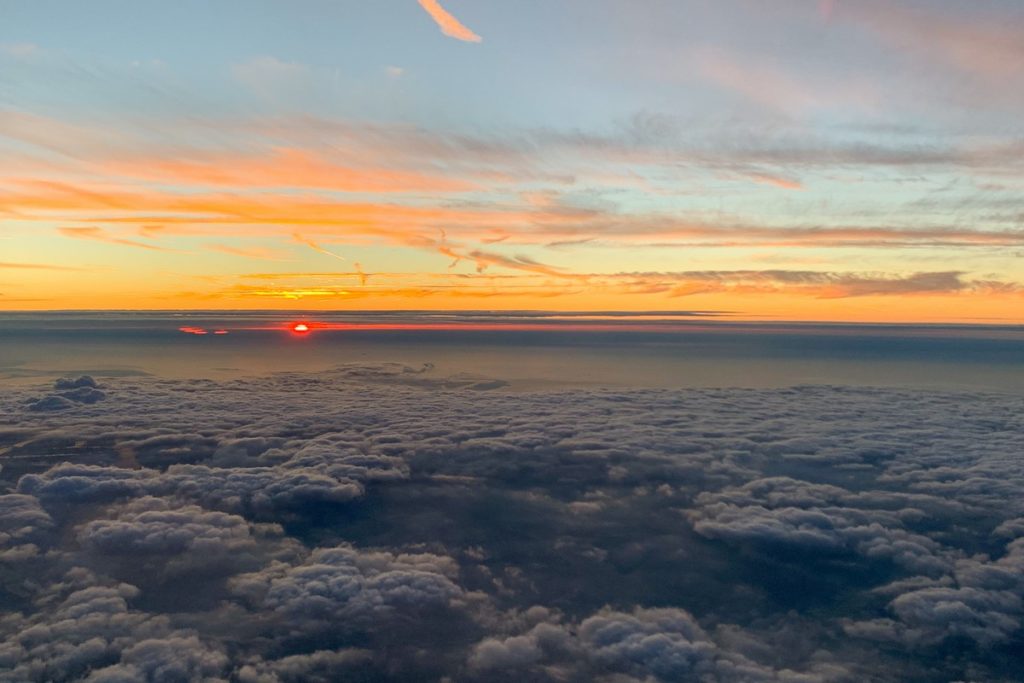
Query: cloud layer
{"x": 301, "y": 527}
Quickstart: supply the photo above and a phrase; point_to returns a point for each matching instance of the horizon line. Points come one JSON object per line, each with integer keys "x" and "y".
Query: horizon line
{"x": 704, "y": 317}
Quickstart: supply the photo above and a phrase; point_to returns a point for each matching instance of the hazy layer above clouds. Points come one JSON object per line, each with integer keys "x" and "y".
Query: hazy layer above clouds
{"x": 525, "y": 350}
{"x": 368, "y": 524}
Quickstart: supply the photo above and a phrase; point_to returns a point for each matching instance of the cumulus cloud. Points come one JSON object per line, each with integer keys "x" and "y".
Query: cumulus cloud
{"x": 664, "y": 644}
{"x": 91, "y": 630}
{"x": 667, "y": 643}
{"x": 164, "y": 538}
{"x": 322, "y": 666}
{"x": 181, "y": 658}
{"x": 75, "y": 382}
{"x": 252, "y": 489}
{"x": 335, "y": 587}
{"x": 382, "y": 520}
{"x": 70, "y": 392}
{"x": 50, "y": 403}
{"x": 785, "y": 511}
{"x": 23, "y": 524}
{"x": 983, "y": 601}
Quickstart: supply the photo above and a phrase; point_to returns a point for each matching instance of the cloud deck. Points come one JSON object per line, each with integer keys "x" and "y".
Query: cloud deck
{"x": 368, "y": 524}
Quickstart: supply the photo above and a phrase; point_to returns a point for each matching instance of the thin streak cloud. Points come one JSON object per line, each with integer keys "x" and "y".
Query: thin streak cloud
{"x": 101, "y": 235}
{"x": 33, "y": 266}
{"x": 316, "y": 247}
{"x": 449, "y": 25}
{"x": 251, "y": 252}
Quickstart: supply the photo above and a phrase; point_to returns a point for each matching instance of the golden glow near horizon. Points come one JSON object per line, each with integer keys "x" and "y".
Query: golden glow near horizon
{"x": 841, "y": 161}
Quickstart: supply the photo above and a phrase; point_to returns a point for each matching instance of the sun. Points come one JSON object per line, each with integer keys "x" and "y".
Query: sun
{"x": 300, "y": 328}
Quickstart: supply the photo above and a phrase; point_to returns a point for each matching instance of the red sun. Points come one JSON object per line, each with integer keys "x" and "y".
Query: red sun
{"x": 300, "y": 328}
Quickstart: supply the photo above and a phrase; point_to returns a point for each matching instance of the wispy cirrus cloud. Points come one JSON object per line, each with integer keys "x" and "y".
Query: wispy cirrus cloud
{"x": 825, "y": 284}
{"x": 276, "y": 215}
{"x": 496, "y": 201}
{"x": 777, "y": 88}
{"x": 484, "y": 259}
{"x": 985, "y": 44}
{"x": 261, "y": 253}
{"x": 812, "y": 283}
{"x": 776, "y": 180}
{"x": 363, "y": 157}
{"x": 449, "y": 25}
{"x": 301, "y": 239}
{"x": 280, "y": 167}
{"x": 101, "y": 235}
{"x": 33, "y": 266}
{"x": 819, "y": 284}
{"x": 541, "y": 281}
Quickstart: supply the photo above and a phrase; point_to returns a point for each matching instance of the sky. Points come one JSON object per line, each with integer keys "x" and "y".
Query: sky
{"x": 851, "y": 160}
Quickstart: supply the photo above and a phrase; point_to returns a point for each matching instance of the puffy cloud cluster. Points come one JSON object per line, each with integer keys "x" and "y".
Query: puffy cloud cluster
{"x": 322, "y": 666}
{"x": 86, "y": 630}
{"x": 981, "y": 601}
{"x": 23, "y": 523}
{"x": 155, "y": 535}
{"x": 337, "y": 588}
{"x": 307, "y": 478}
{"x": 663, "y": 644}
{"x": 70, "y": 392}
{"x": 817, "y": 517}
{"x": 178, "y": 658}
{"x": 378, "y": 522}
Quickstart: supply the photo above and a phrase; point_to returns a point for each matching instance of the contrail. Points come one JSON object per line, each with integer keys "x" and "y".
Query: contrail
{"x": 450, "y": 26}
{"x": 314, "y": 246}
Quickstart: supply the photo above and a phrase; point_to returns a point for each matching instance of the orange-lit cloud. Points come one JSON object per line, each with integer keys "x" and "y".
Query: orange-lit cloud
{"x": 449, "y": 25}
{"x": 276, "y": 215}
{"x": 316, "y": 247}
{"x": 282, "y": 167}
{"x": 101, "y": 235}
{"x": 241, "y": 292}
{"x": 500, "y": 205}
{"x": 800, "y": 283}
{"x": 34, "y": 266}
{"x": 777, "y": 181}
{"x": 484, "y": 259}
{"x": 249, "y": 252}
{"x": 394, "y": 158}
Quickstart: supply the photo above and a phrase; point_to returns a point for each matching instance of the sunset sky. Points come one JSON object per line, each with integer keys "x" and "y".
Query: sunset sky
{"x": 850, "y": 160}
